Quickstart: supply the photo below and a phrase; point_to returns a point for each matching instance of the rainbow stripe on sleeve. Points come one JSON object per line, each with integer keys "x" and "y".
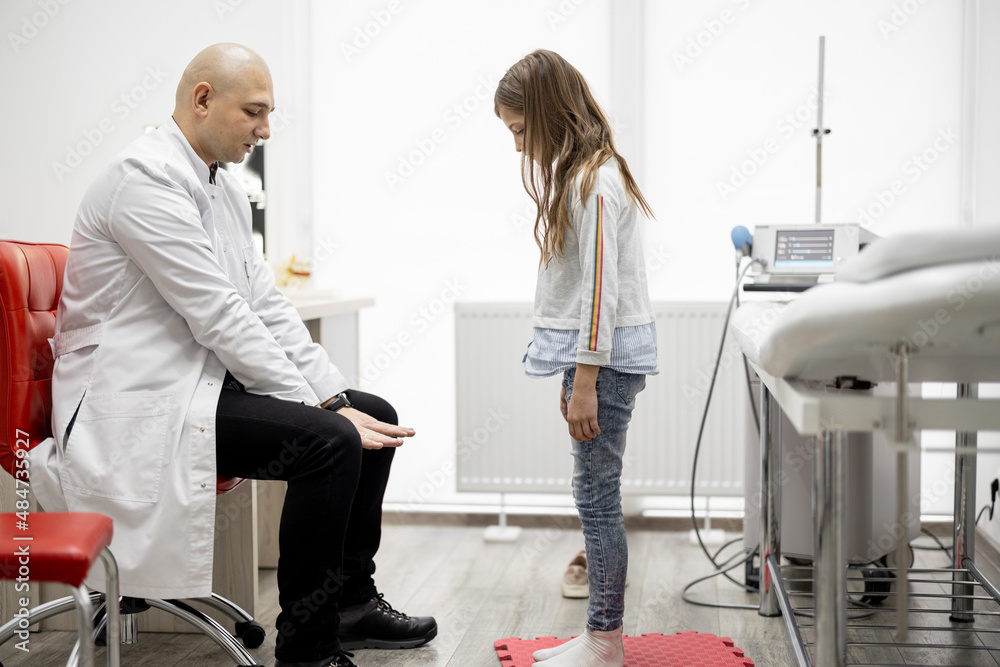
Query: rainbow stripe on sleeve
{"x": 595, "y": 318}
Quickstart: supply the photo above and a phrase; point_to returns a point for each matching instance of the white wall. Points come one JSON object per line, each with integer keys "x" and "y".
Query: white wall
{"x": 82, "y": 79}
{"x": 987, "y": 110}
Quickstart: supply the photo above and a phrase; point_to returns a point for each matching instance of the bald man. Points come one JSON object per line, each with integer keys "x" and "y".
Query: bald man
{"x": 178, "y": 359}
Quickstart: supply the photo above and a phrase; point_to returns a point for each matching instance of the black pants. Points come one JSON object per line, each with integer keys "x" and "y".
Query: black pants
{"x": 331, "y": 522}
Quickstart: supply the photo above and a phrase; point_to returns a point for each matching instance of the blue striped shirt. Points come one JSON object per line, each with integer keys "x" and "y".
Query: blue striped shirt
{"x": 633, "y": 350}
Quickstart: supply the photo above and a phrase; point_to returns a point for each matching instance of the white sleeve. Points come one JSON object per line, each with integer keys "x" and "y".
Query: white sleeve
{"x": 283, "y": 321}
{"x": 596, "y": 224}
{"x": 158, "y": 225}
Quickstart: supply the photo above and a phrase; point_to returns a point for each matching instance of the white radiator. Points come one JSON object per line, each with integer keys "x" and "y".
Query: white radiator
{"x": 512, "y": 438}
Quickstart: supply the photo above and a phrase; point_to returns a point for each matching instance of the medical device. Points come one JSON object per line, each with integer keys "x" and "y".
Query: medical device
{"x": 793, "y": 258}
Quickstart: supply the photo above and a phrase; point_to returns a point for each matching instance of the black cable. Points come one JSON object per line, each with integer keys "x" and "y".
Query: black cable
{"x": 746, "y": 366}
{"x": 940, "y": 545}
{"x": 720, "y": 549}
{"x": 701, "y": 431}
{"x": 735, "y": 605}
{"x": 869, "y": 610}
{"x": 718, "y": 571}
{"x": 980, "y": 515}
{"x": 753, "y": 405}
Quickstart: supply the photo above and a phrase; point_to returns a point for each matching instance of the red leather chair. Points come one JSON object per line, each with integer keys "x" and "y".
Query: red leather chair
{"x": 60, "y": 547}
{"x": 35, "y": 547}
{"x": 31, "y": 276}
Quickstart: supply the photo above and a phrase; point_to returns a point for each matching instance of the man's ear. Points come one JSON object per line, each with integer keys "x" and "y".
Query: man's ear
{"x": 203, "y": 94}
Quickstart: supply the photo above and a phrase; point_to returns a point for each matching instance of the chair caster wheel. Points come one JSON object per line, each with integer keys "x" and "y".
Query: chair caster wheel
{"x": 251, "y": 633}
{"x": 877, "y": 588}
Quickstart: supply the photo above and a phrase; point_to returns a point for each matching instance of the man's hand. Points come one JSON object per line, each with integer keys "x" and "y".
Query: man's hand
{"x": 582, "y": 410}
{"x": 563, "y": 407}
{"x": 376, "y": 434}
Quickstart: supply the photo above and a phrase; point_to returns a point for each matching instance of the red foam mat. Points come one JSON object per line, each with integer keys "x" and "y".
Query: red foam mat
{"x": 685, "y": 649}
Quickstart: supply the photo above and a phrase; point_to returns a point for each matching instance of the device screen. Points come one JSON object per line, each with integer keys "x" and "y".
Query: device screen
{"x": 804, "y": 248}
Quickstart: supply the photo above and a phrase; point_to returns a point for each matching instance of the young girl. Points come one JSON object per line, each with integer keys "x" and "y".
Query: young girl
{"x": 593, "y": 320}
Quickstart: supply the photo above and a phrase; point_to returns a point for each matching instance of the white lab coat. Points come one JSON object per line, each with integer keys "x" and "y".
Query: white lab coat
{"x": 163, "y": 292}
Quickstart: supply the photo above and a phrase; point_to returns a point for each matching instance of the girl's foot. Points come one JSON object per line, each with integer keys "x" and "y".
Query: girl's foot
{"x": 546, "y": 653}
{"x": 595, "y": 648}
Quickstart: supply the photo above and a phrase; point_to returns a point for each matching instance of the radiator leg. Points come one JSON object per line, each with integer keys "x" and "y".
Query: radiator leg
{"x": 502, "y": 532}
{"x": 770, "y": 500}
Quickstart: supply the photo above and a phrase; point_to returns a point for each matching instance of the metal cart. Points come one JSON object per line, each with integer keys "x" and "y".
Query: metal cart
{"x": 824, "y": 641}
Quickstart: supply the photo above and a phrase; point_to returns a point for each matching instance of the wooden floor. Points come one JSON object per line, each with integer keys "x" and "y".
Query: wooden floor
{"x": 482, "y": 592}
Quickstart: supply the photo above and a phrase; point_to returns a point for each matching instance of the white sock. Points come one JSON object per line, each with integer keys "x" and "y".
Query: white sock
{"x": 546, "y": 653}
{"x": 596, "y": 648}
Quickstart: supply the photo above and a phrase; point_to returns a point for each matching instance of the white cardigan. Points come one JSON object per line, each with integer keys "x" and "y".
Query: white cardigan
{"x": 598, "y": 284}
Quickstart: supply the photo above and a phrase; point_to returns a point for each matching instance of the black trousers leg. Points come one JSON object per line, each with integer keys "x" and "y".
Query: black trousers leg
{"x": 319, "y": 454}
{"x": 364, "y": 528}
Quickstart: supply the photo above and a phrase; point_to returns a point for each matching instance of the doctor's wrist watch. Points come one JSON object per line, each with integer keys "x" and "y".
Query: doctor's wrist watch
{"x": 340, "y": 401}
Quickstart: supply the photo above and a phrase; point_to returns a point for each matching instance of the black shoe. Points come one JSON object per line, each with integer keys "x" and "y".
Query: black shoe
{"x": 339, "y": 659}
{"x": 381, "y": 626}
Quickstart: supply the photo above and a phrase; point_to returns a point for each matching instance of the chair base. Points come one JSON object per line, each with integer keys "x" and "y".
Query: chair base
{"x": 249, "y": 631}
{"x": 84, "y": 651}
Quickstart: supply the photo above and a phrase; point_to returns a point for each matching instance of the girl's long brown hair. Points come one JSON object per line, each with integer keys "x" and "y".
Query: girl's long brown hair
{"x": 566, "y": 134}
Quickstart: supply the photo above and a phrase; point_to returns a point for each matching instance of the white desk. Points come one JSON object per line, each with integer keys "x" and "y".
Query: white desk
{"x": 333, "y": 323}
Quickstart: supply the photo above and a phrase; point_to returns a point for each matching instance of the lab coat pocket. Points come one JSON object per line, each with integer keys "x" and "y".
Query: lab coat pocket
{"x": 116, "y": 447}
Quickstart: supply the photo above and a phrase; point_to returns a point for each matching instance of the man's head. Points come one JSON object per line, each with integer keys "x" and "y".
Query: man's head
{"x": 223, "y": 102}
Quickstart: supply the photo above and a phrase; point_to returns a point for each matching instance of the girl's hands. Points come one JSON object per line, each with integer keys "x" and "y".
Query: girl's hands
{"x": 581, "y": 413}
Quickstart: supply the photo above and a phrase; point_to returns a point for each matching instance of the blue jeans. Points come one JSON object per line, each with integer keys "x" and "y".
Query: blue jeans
{"x": 597, "y": 474}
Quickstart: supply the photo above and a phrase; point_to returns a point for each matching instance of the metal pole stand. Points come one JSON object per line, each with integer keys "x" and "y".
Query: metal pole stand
{"x": 830, "y": 571}
{"x": 770, "y": 502}
{"x": 964, "y": 531}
